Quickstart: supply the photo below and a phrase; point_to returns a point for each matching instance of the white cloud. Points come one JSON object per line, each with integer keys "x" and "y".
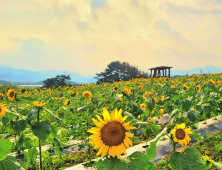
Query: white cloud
{"x": 84, "y": 36}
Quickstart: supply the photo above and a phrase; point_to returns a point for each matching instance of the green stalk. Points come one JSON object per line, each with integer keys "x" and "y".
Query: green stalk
{"x": 174, "y": 147}
{"x": 87, "y": 124}
{"x": 40, "y": 152}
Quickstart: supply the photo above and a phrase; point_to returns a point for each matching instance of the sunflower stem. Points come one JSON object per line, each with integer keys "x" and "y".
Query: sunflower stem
{"x": 40, "y": 152}
{"x": 174, "y": 147}
{"x": 87, "y": 124}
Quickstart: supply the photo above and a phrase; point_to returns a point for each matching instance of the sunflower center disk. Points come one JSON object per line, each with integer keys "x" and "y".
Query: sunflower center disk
{"x": 180, "y": 134}
{"x": 11, "y": 94}
{"x": 113, "y": 133}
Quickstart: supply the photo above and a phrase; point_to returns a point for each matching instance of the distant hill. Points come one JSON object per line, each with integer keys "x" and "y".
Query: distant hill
{"x": 206, "y": 70}
{"x": 12, "y": 74}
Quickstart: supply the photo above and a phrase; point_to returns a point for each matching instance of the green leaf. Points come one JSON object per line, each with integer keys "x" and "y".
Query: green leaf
{"x": 151, "y": 106}
{"x": 151, "y": 151}
{"x": 130, "y": 117}
{"x": 136, "y": 161}
{"x": 81, "y": 108}
{"x": 5, "y": 147}
{"x": 14, "y": 113}
{"x": 186, "y": 160}
{"x": 32, "y": 155}
{"x": 118, "y": 96}
{"x": 9, "y": 163}
{"x": 31, "y": 115}
{"x": 19, "y": 125}
{"x": 196, "y": 136}
{"x": 218, "y": 164}
{"x": 57, "y": 142}
{"x": 186, "y": 105}
{"x": 5, "y": 120}
{"x": 192, "y": 116}
{"x": 57, "y": 119}
{"x": 213, "y": 103}
{"x": 41, "y": 130}
{"x": 154, "y": 128}
{"x": 207, "y": 109}
{"x": 175, "y": 113}
{"x": 6, "y": 136}
{"x": 94, "y": 101}
{"x": 21, "y": 140}
{"x": 57, "y": 151}
{"x": 138, "y": 107}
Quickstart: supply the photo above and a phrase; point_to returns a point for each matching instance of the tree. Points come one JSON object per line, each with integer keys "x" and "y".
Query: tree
{"x": 57, "y": 81}
{"x": 117, "y": 70}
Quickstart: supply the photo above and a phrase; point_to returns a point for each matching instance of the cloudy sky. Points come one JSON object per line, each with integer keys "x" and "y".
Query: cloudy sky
{"x": 84, "y": 36}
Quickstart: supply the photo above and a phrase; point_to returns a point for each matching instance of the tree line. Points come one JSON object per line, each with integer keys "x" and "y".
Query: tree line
{"x": 117, "y": 71}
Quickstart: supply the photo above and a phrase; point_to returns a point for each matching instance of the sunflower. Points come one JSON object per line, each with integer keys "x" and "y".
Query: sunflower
{"x": 1, "y": 96}
{"x": 167, "y": 79}
{"x": 76, "y": 93}
{"x": 162, "y": 98}
{"x": 141, "y": 87}
{"x": 161, "y": 111}
{"x": 50, "y": 93}
{"x": 131, "y": 90}
{"x": 211, "y": 81}
{"x": 218, "y": 83}
{"x": 126, "y": 92}
{"x": 120, "y": 99}
{"x": 115, "y": 89}
{"x": 103, "y": 95}
{"x": 144, "y": 96}
{"x": 2, "y": 109}
{"x": 208, "y": 159}
{"x": 87, "y": 94}
{"x": 38, "y": 105}
{"x": 67, "y": 102}
{"x": 181, "y": 135}
{"x": 147, "y": 93}
{"x": 70, "y": 92}
{"x": 58, "y": 99}
{"x": 198, "y": 88}
{"x": 11, "y": 94}
{"x": 160, "y": 117}
{"x": 110, "y": 134}
{"x": 59, "y": 92}
{"x": 149, "y": 119}
{"x": 142, "y": 106}
{"x": 139, "y": 116}
{"x": 172, "y": 87}
{"x": 159, "y": 84}
{"x": 155, "y": 100}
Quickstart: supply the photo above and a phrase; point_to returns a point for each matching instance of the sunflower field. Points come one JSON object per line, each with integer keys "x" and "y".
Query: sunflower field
{"x": 105, "y": 117}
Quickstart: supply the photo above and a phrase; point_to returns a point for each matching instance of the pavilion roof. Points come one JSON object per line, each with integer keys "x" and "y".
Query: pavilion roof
{"x": 160, "y": 67}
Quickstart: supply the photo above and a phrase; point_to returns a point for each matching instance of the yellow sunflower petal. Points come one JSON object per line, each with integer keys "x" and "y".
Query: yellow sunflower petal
{"x": 99, "y": 118}
{"x": 128, "y": 134}
{"x": 100, "y": 150}
{"x": 98, "y": 124}
{"x": 123, "y": 148}
{"x": 113, "y": 151}
{"x": 123, "y": 119}
{"x": 118, "y": 151}
{"x": 94, "y": 130}
{"x": 106, "y": 115}
{"x": 105, "y": 149}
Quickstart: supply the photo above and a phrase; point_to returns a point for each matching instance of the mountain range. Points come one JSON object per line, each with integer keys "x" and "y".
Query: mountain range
{"x": 8, "y": 73}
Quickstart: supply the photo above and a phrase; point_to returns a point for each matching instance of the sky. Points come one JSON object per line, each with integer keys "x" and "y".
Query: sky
{"x": 84, "y": 36}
